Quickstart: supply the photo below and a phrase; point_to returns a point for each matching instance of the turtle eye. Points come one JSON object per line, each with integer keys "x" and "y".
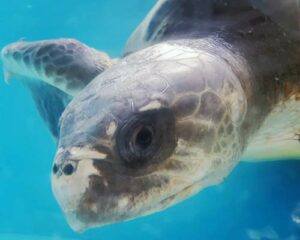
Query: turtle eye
{"x": 147, "y": 137}
{"x": 144, "y": 138}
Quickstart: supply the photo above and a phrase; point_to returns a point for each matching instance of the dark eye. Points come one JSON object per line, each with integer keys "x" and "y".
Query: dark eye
{"x": 68, "y": 169}
{"x": 146, "y": 137}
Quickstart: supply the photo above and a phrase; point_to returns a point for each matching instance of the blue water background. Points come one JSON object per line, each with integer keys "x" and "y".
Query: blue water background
{"x": 257, "y": 201}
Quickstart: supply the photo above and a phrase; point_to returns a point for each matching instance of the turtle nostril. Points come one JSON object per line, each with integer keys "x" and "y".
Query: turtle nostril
{"x": 68, "y": 169}
{"x": 55, "y": 169}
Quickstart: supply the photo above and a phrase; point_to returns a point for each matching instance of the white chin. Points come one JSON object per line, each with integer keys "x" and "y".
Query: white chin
{"x": 74, "y": 223}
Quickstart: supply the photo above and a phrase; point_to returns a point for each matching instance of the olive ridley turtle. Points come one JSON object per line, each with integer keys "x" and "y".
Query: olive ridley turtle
{"x": 202, "y": 85}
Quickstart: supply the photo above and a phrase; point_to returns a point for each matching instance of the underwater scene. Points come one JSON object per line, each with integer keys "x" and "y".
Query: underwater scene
{"x": 177, "y": 156}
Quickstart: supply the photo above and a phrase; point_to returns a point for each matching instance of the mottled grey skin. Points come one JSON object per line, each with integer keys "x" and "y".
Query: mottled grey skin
{"x": 175, "y": 115}
{"x": 64, "y": 63}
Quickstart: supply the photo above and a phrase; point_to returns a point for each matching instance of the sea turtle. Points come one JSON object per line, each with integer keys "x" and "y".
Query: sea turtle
{"x": 202, "y": 84}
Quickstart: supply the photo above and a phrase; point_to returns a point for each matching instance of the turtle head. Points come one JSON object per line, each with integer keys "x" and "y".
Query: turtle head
{"x": 157, "y": 127}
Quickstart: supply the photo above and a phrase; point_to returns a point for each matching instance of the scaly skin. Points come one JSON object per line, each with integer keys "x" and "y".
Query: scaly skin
{"x": 64, "y": 63}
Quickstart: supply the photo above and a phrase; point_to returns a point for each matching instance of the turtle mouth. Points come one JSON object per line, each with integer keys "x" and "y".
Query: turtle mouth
{"x": 180, "y": 195}
{"x": 78, "y": 225}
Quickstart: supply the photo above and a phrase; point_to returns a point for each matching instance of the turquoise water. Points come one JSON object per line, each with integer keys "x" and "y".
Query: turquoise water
{"x": 257, "y": 201}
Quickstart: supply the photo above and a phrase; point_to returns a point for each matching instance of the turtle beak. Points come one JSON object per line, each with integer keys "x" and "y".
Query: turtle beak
{"x": 70, "y": 180}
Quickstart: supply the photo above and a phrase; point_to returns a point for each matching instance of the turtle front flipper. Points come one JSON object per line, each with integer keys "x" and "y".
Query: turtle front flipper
{"x": 66, "y": 64}
{"x": 54, "y": 71}
{"x": 50, "y": 103}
